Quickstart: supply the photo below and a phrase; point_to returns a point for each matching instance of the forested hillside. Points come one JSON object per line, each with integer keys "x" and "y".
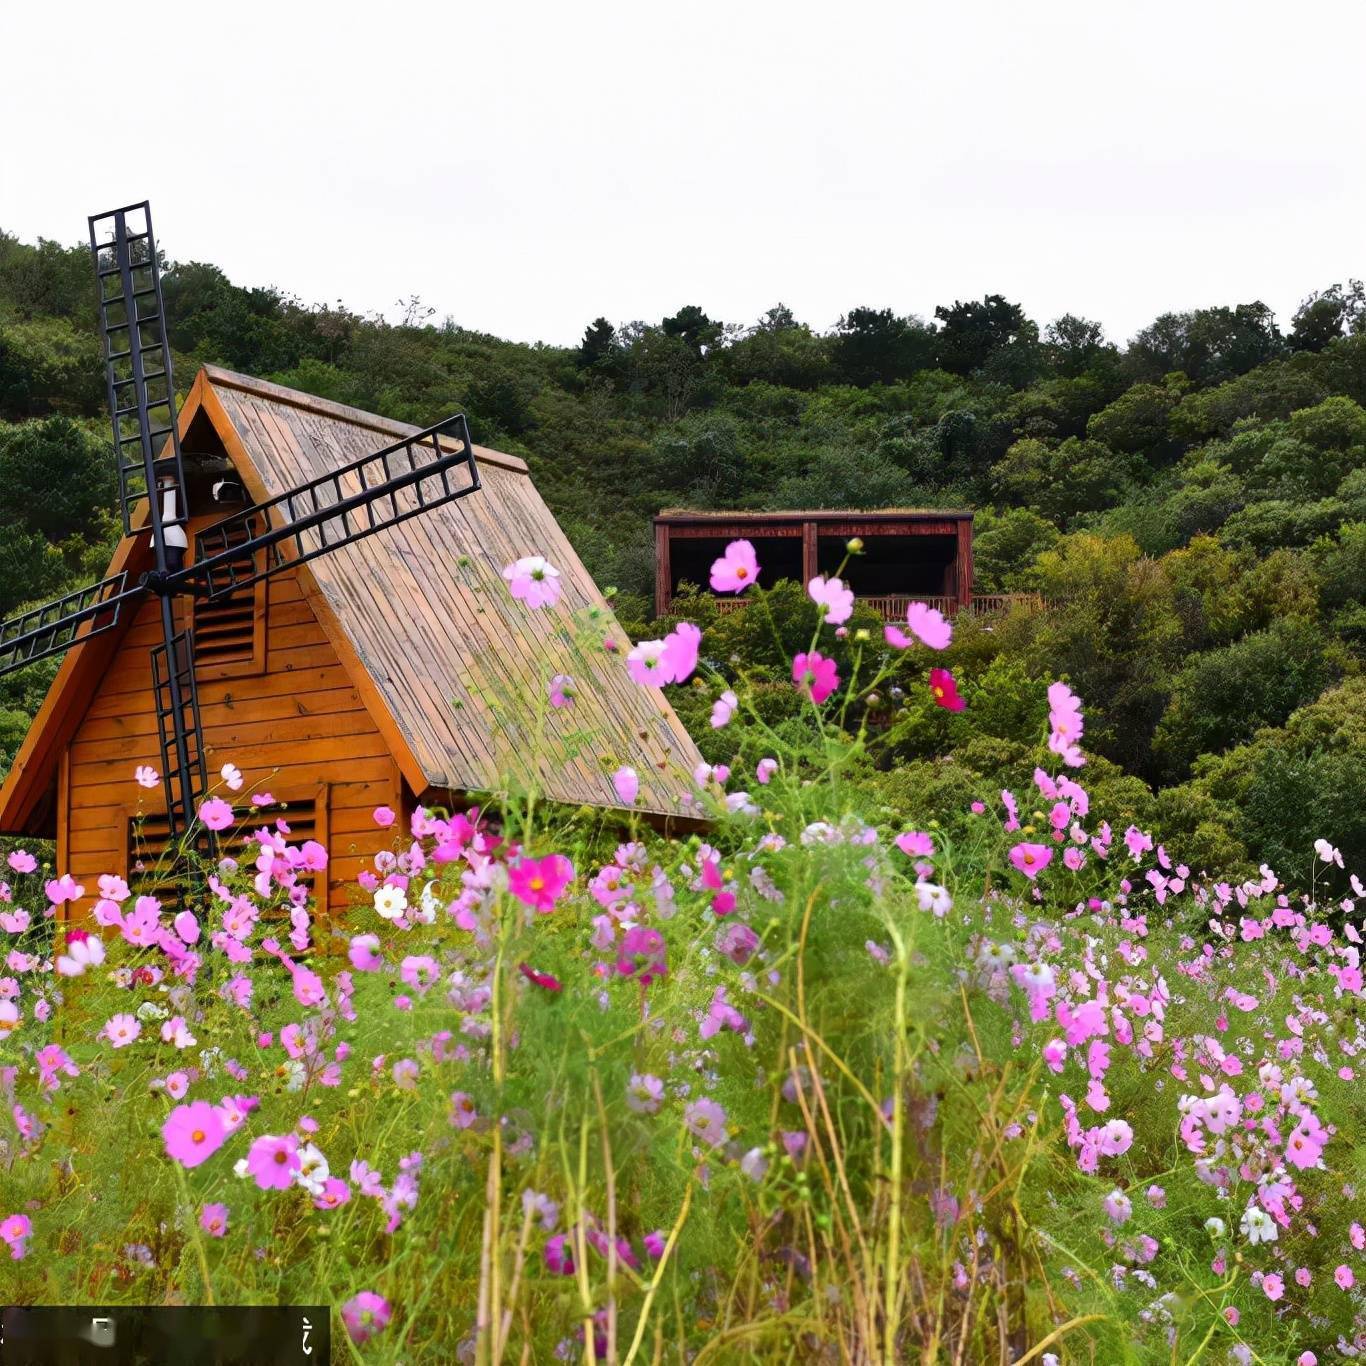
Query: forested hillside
{"x": 1193, "y": 504}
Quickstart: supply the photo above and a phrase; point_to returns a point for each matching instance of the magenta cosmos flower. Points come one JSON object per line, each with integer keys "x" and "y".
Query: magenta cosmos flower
{"x": 193, "y": 1133}
{"x": 365, "y": 1315}
{"x": 944, "y": 690}
{"x": 927, "y": 624}
{"x": 736, "y": 569}
{"x": 272, "y": 1161}
{"x": 540, "y": 882}
{"x": 815, "y": 676}
{"x": 1031, "y": 859}
{"x": 544, "y": 980}
{"x": 835, "y": 600}
{"x": 534, "y": 580}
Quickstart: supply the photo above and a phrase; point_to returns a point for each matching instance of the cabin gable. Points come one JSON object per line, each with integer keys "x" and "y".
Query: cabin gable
{"x": 292, "y": 722}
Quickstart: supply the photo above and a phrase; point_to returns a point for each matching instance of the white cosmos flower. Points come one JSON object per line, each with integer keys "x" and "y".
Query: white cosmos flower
{"x": 313, "y": 1169}
{"x": 390, "y": 902}
{"x": 934, "y": 898}
{"x": 82, "y": 954}
{"x": 1258, "y": 1226}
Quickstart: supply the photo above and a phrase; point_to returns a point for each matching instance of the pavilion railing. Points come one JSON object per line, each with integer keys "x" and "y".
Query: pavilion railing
{"x": 892, "y": 606}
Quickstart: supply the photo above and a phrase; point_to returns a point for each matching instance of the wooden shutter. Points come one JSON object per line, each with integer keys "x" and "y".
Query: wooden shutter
{"x": 231, "y": 631}
{"x": 148, "y": 874}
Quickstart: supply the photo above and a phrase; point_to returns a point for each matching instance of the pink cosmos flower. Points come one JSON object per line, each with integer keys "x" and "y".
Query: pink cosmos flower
{"x": 539, "y": 883}
{"x": 146, "y": 776}
{"x": 1065, "y": 724}
{"x": 1116, "y": 1138}
{"x": 680, "y": 651}
{"x": 232, "y": 775}
{"x": 916, "y": 844}
{"x": 365, "y": 1315}
{"x": 1031, "y": 859}
{"x": 22, "y": 861}
{"x": 213, "y": 1219}
{"x": 707, "y": 1120}
{"x": 723, "y": 709}
{"x": 272, "y": 1161}
{"x": 627, "y": 784}
{"x": 1273, "y": 1287}
{"x": 383, "y": 816}
{"x": 562, "y": 691}
{"x": 64, "y": 888}
{"x": 927, "y": 625}
{"x": 462, "y": 1112}
{"x": 736, "y": 569}
{"x": 815, "y": 676}
{"x": 1344, "y": 1277}
{"x": 534, "y": 580}
{"x": 215, "y": 813}
{"x": 121, "y": 1029}
{"x": 647, "y": 664}
{"x": 16, "y": 1230}
{"x": 1118, "y": 1206}
{"x": 944, "y": 690}
{"x": 831, "y": 595}
{"x": 263, "y": 799}
{"x": 364, "y": 953}
{"x": 193, "y": 1133}
{"x": 765, "y": 770}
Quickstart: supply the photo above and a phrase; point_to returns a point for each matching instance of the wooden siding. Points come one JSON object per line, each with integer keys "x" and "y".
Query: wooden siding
{"x": 297, "y": 727}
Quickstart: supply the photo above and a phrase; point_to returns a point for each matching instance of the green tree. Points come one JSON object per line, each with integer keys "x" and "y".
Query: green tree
{"x": 973, "y": 332}
{"x": 874, "y": 345}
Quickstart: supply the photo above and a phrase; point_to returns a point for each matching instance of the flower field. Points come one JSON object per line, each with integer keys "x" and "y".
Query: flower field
{"x": 801, "y": 1086}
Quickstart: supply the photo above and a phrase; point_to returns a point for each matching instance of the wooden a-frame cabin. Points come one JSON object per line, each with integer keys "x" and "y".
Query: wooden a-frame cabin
{"x": 386, "y": 673}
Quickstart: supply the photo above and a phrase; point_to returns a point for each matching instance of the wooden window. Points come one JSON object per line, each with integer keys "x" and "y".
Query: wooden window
{"x": 229, "y": 635}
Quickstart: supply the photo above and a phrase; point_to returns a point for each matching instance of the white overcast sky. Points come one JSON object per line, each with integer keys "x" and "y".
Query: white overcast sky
{"x": 527, "y": 167}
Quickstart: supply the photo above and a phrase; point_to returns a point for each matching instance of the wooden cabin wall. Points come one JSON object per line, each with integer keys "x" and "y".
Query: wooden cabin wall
{"x": 291, "y": 721}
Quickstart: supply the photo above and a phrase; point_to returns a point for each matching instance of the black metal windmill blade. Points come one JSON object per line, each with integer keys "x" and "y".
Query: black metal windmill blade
{"x": 380, "y": 490}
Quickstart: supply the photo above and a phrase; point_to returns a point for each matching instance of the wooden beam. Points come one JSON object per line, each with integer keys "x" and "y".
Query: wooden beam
{"x": 809, "y": 549}
{"x": 663, "y": 570}
{"x": 964, "y": 565}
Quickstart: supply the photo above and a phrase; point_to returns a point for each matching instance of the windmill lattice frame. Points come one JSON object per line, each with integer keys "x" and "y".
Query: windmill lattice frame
{"x": 410, "y": 477}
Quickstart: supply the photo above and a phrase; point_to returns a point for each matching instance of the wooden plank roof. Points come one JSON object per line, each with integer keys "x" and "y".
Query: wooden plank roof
{"x": 453, "y": 669}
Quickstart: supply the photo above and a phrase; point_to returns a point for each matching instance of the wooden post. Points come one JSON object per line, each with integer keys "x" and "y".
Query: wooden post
{"x": 809, "y": 560}
{"x": 663, "y": 568}
{"x": 964, "y": 562}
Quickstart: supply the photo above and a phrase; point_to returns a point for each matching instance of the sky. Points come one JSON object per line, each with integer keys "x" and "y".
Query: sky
{"x": 525, "y": 168}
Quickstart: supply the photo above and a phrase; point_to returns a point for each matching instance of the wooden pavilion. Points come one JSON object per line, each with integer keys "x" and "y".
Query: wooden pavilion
{"x": 396, "y": 671}
{"x": 910, "y": 554}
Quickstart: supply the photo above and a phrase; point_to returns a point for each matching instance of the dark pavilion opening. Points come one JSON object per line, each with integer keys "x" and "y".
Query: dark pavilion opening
{"x": 906, "y": 565}
{"x": 691, "y": 558}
